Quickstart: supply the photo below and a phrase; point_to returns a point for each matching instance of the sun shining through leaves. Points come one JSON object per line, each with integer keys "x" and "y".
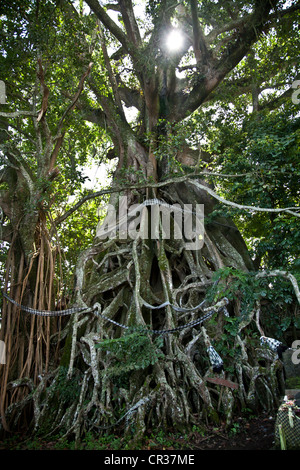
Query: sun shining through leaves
{"x": 174, "y": 40}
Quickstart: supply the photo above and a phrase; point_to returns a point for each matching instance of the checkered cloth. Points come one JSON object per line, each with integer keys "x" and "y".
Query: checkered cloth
{"x": 215, "y": 359}
{"x": 274, "y": 345}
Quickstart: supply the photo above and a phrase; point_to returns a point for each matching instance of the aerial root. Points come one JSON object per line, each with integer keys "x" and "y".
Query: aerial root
{"x": 172, "y": 390}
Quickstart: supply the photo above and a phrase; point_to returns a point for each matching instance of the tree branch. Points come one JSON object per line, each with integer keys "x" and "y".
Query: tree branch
{"x": 111, "y": 76}
{"x": 77, "y": 94}
{"x": 5, "y": 204}
{"x": 233, "y": 54}
{"x": 19, "y": 163}
{"x": 130, "y": 23}
{"x": 109, "y": 23}
{"x": 46, "y": 92}
{"x": 60, "y": 133}
{"x": 275, "y": 102}
{"x": 289, "y": 210}
{"x": 227, "y": 27}
{"x": 199, "y": 44}
{"x": 131, "y": 97}
{"x": 116, "y": 189}
{"x": 17, "y": 114}
{"x": 238, "y": 22}
{"x": 6, "y": 233}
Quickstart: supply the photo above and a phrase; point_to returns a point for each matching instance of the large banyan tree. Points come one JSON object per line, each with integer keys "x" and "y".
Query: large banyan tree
{"x": 157, "y": 339}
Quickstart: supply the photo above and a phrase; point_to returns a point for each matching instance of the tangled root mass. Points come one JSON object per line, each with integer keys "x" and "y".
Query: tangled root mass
{"x": 115, "y": 372}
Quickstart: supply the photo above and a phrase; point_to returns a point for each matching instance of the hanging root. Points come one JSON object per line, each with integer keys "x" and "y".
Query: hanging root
{"x": 32, "y": 342}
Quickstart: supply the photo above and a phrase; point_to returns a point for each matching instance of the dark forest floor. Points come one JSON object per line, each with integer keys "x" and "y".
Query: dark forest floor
{"x": 257, "y": 433}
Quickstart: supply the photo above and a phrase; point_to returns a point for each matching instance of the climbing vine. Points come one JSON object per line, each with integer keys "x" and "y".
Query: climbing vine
{"x": 133, "y": 351}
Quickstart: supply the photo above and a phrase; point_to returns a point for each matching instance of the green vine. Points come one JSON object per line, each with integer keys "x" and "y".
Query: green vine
{"x": 133, "y": 351}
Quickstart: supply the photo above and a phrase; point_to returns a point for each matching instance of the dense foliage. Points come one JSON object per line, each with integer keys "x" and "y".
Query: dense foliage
{"x": 97, "y": 107}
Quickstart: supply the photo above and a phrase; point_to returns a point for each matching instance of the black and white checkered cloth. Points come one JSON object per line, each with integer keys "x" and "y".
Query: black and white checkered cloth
{"x": 215, "y": 360}
{"x": 274, "y": 345}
